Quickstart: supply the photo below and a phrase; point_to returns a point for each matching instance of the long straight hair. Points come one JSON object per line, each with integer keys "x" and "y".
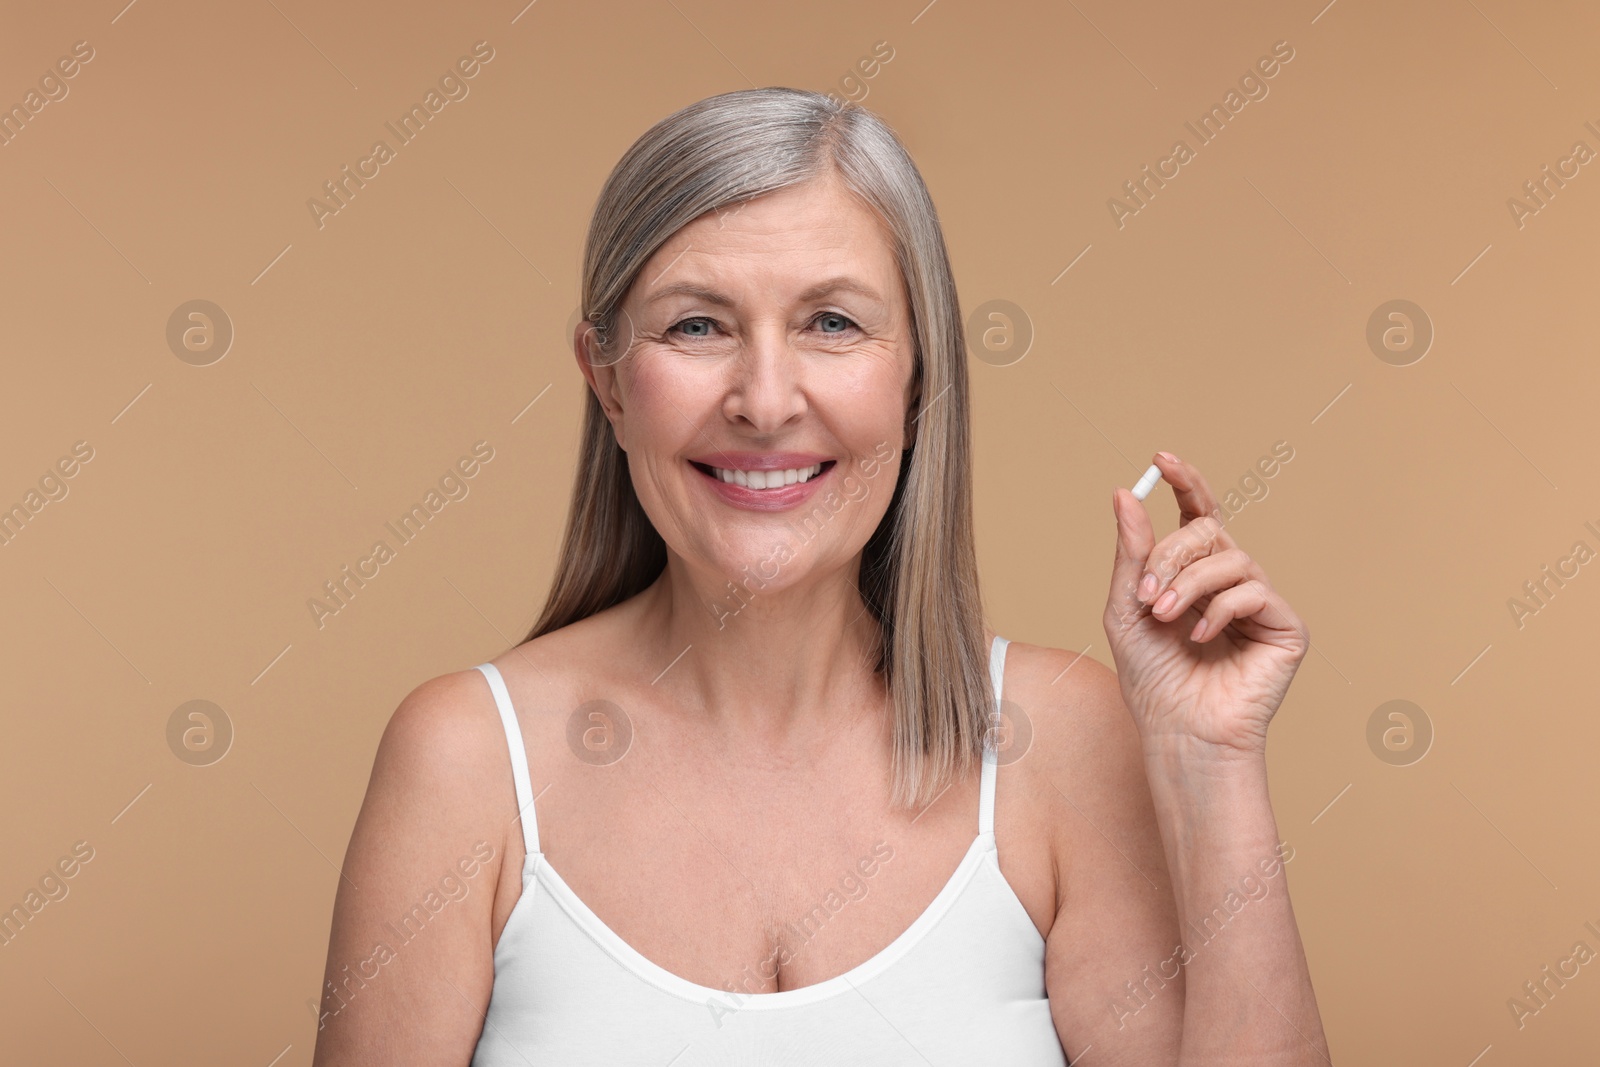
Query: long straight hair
{"x": 918, "y": 575}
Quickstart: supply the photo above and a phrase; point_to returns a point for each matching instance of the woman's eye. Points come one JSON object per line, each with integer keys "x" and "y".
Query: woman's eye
{"x": 830, "y": 322}
{"x": 691, "y": 327}
{"x": 834, "y": 317}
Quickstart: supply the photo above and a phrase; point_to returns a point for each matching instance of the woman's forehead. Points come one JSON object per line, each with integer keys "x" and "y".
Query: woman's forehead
{"x": 802, "y": 243}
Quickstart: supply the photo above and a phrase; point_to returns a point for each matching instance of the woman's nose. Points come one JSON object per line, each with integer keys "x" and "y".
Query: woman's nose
{"x": 766, "y": 387}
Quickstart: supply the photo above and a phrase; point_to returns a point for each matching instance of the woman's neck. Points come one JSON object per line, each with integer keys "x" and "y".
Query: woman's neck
{"x": 758, "y": 658}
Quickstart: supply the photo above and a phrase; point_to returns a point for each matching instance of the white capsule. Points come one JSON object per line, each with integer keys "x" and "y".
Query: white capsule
{"x": 1142, "y": 487}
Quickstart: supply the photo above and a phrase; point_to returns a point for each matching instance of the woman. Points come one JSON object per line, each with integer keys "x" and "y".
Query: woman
{"x": 740, "y": 797}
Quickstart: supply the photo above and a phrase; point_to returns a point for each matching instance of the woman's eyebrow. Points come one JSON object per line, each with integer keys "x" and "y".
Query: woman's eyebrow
{"x": 843, "y": 283}
{"x": 710, "y": 296}
{"x": 816, "y": 292}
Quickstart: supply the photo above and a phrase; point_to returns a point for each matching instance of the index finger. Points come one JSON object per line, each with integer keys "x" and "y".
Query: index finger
{"x": 1189, "y": 488}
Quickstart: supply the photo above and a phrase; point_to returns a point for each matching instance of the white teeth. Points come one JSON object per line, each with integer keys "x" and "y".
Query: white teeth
{"x": 768, "y": 479}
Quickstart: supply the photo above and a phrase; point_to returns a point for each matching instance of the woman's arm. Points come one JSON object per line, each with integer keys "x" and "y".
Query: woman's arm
{"x": 1248, "y": 996}
{"x": 1112, "y": 966}
{"x": 1205, "y": 650}
{"x": 1174, "y": 941}
{"x": 410, "y": 965}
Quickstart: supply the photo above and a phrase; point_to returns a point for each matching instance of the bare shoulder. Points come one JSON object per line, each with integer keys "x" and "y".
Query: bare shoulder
{"x": 1069, "y": 758}
{"x": 428, "y": 793}
{"x": 1081, "y": 733}
{"x": 551, "y": 674}
{"x": 439, "y": 730}
{"x": 425, "y": 852}
{"x": 1084, "y": 760}
{"x": 1116, "y": 916}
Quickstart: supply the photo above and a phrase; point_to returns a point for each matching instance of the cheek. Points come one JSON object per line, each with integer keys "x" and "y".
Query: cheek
{"x": 868, "y": 392}
{"x": 666, "y": 399}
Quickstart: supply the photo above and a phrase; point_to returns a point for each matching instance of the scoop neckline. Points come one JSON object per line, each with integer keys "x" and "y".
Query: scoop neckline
{"x": 647, "y": 969}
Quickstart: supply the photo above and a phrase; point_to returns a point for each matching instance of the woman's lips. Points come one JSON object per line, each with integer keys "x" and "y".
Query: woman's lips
{"x": 779, "y": 499}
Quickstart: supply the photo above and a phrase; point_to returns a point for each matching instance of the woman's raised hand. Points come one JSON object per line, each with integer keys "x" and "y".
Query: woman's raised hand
{"x": 1205, "y": 648}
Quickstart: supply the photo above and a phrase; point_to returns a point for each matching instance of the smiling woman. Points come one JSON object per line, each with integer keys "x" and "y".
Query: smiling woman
{"x": 694, "y": 298}
{"x": 776, "y": 432}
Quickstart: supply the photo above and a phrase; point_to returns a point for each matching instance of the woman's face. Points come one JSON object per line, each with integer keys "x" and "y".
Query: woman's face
{"x": 761, "y": 342}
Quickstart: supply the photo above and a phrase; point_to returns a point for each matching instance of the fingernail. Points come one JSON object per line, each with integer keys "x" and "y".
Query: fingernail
{"x": 1168, "y": 456}
{"x": 1147, "y": 587}
{"x": 1164, "y": 605}
{"x": 1199, "y": 630}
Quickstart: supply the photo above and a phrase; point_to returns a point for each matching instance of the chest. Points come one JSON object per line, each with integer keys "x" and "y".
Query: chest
{"x": 753, "y": 896}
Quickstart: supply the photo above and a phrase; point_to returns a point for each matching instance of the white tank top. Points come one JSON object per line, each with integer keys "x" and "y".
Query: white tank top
{"x": 964, "y": 984}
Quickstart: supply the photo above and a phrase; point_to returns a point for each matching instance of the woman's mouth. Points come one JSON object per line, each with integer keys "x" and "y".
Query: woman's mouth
{"x": 765, "y": 490}
{"x": 764, "y": 480}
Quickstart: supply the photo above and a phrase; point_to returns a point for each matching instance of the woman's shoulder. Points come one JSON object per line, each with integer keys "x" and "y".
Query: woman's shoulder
{"x": 447, "y": 737}
{"x": 1077, "y": 750}
{"x": 1064, "y": 692}
{"x": 1070, "y": 776}
{"x": 453, "y": 718}
{"x": 562, "y": 677}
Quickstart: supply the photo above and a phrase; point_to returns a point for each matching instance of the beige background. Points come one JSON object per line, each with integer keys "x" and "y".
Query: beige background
{"x": 1228, "y": 314}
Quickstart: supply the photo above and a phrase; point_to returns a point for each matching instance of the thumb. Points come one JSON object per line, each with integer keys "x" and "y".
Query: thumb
{"x": 1135, "y": 539}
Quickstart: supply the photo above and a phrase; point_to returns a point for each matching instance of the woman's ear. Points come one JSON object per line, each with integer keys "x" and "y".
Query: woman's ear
{"x": 596, "y": 361}
{"x": 913, "y": 413}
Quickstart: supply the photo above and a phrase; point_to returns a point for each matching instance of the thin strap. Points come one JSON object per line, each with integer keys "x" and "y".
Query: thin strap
{"x": 997, "y": 673}
{"x": 519, "y": 756}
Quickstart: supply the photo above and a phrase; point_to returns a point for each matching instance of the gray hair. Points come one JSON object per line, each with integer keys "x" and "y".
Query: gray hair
{"x": 918, "y": 575}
